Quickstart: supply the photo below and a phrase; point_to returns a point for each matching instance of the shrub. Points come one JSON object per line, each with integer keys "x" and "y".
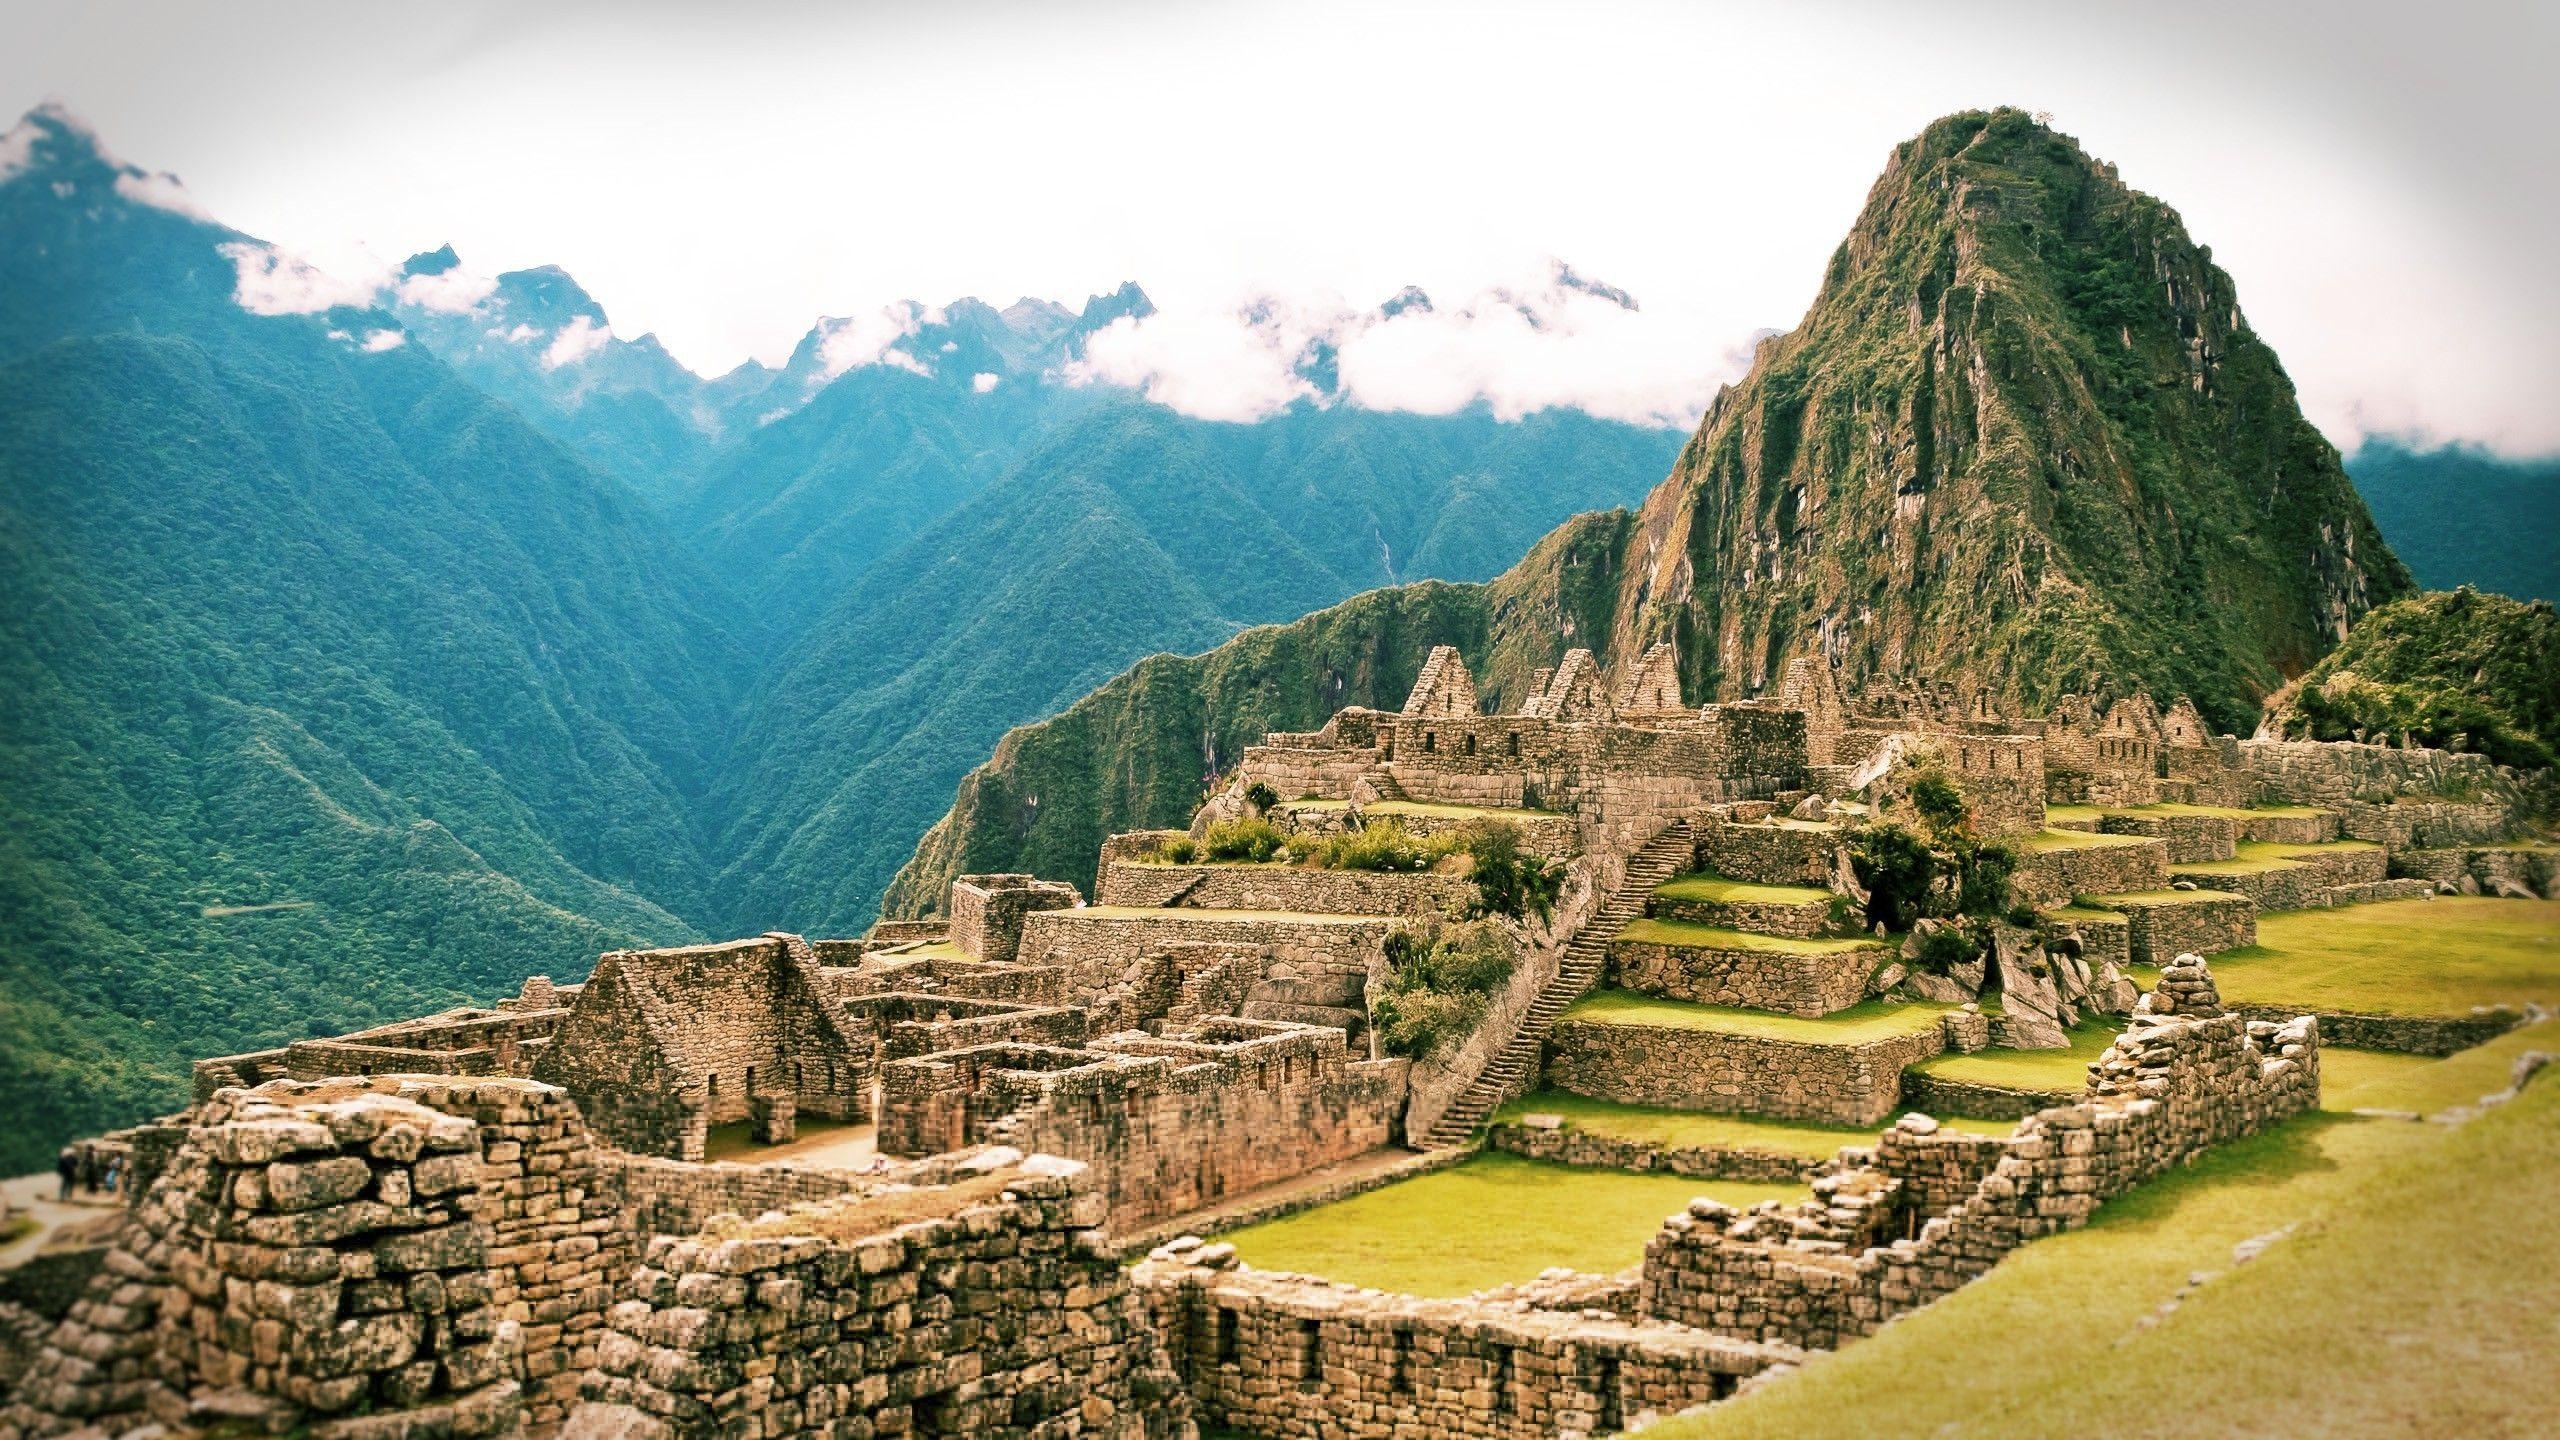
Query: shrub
{"x": 1253, "y": 839}
{"x": 1940, "y": 869}
{"x": 1509, "y": 882}
{"x": 1439, "y": 985}
{"x": 1942, "y": 950}
{"x": 1181, "y": 850}
{"x": 1260, "y": 796}
{"x": 1382, "y": 846}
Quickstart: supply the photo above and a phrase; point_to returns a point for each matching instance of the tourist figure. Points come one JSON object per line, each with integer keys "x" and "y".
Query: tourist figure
{"x": 88, "y": 1168}
{"x": 66, "y": 1165}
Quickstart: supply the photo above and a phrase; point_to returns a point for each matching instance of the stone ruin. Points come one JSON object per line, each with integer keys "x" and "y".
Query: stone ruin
{"x": 504, "y": 1220}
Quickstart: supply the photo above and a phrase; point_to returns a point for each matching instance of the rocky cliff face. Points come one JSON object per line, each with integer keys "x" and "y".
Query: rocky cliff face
{"x": 2024, "y": 439}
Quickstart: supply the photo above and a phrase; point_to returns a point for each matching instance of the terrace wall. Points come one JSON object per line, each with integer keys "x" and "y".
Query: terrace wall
{"x": 1849, "y": 1084}
{"x": 1286, "y": 888}
{"x": 1790, "y": 983}
{"x": 1287, "y": 1357}
{"x": 2172, "y": 1087}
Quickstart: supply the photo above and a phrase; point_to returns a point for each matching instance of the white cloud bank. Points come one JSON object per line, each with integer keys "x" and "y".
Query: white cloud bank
{"x": 871, "y": 338}
{"x": 452, "y": 292}
{"x": 273, "y": 283}
{"x": 1556, "y": 342}
{"x": 576, "y": 341}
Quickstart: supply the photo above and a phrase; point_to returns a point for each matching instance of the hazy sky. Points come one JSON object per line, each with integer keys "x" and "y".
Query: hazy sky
{"x": 2379, "y": 179}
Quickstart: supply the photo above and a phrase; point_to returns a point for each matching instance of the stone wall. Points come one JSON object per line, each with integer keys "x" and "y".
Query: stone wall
{"x": 354, "y": 1259}
{"x": 2191, "y": 838}
{"x": 1770, "y": 853}
{"x": 1286, "y": 888}
{"x": 2534, "y": 867}
{"x": 1570, "y": 1146}
{"x": 1795, "y": 919}
{"x": 1288, "y": 1357}
{"x": 2303, "y": 881}
{"x": 2173, "y": 1085}
{"x": 1735, "y": 1074}
{"x": 1173, "y": 1123}
{"x": 989, "y": 1305}
{"x": 2160, "y": 927}
{"x": 2404, "y": 1034}
{"x": 1129, "y": 969}
{"x": 987, "y": 911}
{"x": 1809, "y": 983}
{"x": 2052, "y": 877}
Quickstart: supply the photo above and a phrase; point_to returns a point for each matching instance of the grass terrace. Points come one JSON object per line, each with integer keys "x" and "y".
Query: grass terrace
{"x": 2156, "y": 897}
{"x": 2400, "y": 957}
{"x": 2227, "y": 812}
{"x": 2048, "y": 840}
{"x": 1716, "y": 889}
{"x": 2035, "y": 1071}
{"x": 1709, "y": 937}
{"x": 1493, "y": 1220}
{"x": 931, "y": 949}
{"x": 1199, "y": 917}
{"x": 2256, "y": 857}
{"x": 2313, "y": 1337}
{"x": 1868, "y": 1020}
{"x": 1391, "y": 808}
{"x": 2076, "y": 814}
{"x": 1693, "y": 1129}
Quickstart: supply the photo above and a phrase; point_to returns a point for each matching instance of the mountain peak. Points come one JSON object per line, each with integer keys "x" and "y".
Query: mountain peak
{"x": 431, "y": 262}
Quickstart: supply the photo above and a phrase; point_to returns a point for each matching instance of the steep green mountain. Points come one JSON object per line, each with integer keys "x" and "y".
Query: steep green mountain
{"x": 332, "y": 691}
{"x": 2023, "y": 439}
{"x": 2449, "y": 668}
{"x": 2462, "y": 516}
{"x": 1127, "y": 531}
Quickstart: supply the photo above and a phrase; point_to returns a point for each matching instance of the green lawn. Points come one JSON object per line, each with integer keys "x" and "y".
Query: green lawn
{"x": 1492, "y": 1220}
{"x": 2034, "y": 1070}
{"x": 2345, "y": 1074}
{"x": 2158, "y": 897}
{"x": 2228, "y": 812}
{"x": 1674, "y": 1129}
{"x": 1716, "y": 888}
{"x": 2400, "y": 957}
{"x": 1418, "y": 807}
{"x": 2072, "y": 812}
{"x": 2405, "y": 1302}
{"x": 2255, "y": 857}
{"x": 1869, "y": 1020}
{"x": 1709, "y": 937}
{"x": 2045, "y": 840}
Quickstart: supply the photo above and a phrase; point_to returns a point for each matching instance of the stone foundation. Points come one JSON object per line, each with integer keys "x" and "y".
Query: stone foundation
{"x": 1569, "y": 1146}
{"x": 2053, "y": 877}
{"x": 1732, "y": 1074}
{"x": 1747, "y": 977}
{"x": 1287, "y": 1357}
{"x": 2162, "y": 926}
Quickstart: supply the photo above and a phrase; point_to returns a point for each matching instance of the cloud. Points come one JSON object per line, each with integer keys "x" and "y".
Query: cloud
{"x": 576, "y": 341}
{"x": 273, "y": 283}
{"x": 18, "y": 149}
{"x": 381, "y": 340}
{"x": 162, "y": 191}
{"x": 851, "y": 342}
{"x": 1237, "y": 364}
{"x": 451, "y": 292}
{"x": 984, "y": 381}
{"x": 1557, "y": 341}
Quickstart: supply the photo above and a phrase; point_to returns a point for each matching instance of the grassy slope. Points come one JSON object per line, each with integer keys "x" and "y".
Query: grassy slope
{"x": 2066, "y": 1069}
{"x": 1493, "y": 1220}
{"x": 2453, "y": 669}
{"x": 2401, "y": 1305}
{"x": 2401, "y": 957}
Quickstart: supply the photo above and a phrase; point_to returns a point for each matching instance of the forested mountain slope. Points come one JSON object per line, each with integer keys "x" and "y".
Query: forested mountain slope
{"x": 2023, "y": 440}
{"x": 2463, "y": 516}
{"x": 333, "y": 691}
{"x": 1129, "y": 531}
{"x": 362, "y": 652}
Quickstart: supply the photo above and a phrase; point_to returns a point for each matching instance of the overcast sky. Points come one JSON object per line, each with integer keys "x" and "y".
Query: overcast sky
{"x": 2378, "y": 179}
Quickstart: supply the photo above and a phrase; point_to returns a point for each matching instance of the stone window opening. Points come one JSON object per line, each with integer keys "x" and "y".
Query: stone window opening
{"x": 751, "y": 1082}
{"x": 1471, "y": 745}
{"x": 1430, "y": 742}
{"x": 1230, "y": 1340}
{"x": 1400, "y": 1378}
{"x": 711, "y": 1088}
{"x": 1606, "y": 1390}
{"x": 1310, "y": 1354}
{"x": 1515, "y": 744}
{"x": 1506, "y": 1380}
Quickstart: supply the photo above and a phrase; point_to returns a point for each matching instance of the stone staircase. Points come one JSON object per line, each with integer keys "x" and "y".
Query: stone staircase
{"x": 1662, "y": 857}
